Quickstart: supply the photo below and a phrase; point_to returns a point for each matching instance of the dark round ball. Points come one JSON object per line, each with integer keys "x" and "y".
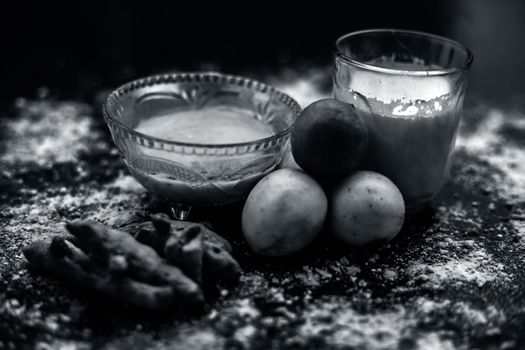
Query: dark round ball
{"x": 329, "y": 138}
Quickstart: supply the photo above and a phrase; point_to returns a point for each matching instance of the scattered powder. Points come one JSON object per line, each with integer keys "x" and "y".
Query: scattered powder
{"x": 192, "y": 339}
{"x": 243, "y": 335}
{"x": 180, "y": 337}
{"x": 246, "y": 309}
{"x": 517, "y": 223}
{"x": 485, "y": 135}
{"x": 432, "y": 341}
{"x": 390, "y": 274}
{"x": 127, "y": 183}
{"x": 376, "y": 331}
{"x": 426, "y": 306}
{"x": 309, "y": 277}
{"x": 473, "y": 316}
{"x": 478, "y": 267}
{"x": 372, "y": 332}
{"x": 47, "y": 132}
{"x": 38, "y": 316}
{"x": 458, "y": 213}
{"x": 62, "y": 345}
{"x": 469, "y": 314}
{"x": 343, "y": 327}
{"x": 519, "y": 227}
{"x": 511, "y": 161}
{"x": 312, "y": 277}
{"x": 486, "y": 143}
{"x": 43, "y": 217}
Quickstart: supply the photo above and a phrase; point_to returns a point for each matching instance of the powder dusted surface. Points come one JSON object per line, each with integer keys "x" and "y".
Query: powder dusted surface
{"x": 453, "y": 279}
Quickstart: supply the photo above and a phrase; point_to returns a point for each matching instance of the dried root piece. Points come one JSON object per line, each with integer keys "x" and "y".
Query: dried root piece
{"x": 165, "y": 226}
{"x": 209, "y": 235}
{"x": 146, "y": 234}
{"x": 219, "y": 266}
{"x": 118, "y": 251}
{"x": 186, "y": 251}
{"x": 201, "y": 253}
{"x": 63, "y": 260}
{"x": 166, "y": 262}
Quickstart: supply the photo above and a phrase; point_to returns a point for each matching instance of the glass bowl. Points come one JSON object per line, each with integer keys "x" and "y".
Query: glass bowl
{"x": 198, "y": 174}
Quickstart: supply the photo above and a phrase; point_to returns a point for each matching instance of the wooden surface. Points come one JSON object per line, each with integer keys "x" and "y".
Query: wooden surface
{"x": 452, "y": 279}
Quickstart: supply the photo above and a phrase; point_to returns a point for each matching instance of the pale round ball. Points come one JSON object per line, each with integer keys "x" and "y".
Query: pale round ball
{"x": 366, "y": 207}
{"x": 283, "y": 213}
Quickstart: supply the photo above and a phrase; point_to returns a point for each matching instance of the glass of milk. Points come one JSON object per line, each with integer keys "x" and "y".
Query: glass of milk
{"x": 409, "y": 88}
{"x": 200, "y": 139}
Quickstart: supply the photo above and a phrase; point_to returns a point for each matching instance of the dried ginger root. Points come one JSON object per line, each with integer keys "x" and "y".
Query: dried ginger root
{"x": 62, "y": 259}
{"x": 156, "y": 232}
{"x": 187, "y": 252}
{"x": 180, "y": 243}
{"x": 104, "y": 245}
{"x": 166, "y": 263}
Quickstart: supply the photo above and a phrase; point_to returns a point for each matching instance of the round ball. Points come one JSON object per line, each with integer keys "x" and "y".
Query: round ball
{"x": 328, "y": 138}
{"x": 366, "y": 207}
{"x": 283, "y": 213}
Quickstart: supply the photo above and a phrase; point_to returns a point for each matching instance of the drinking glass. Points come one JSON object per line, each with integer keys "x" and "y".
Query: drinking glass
{"x": 409, "y": 88}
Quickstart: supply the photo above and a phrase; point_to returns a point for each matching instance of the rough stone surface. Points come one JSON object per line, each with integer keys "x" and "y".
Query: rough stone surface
{"x": 453, "y": 279}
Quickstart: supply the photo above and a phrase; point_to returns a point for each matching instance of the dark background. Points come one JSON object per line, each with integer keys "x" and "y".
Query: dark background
{"x": 77, "y": 48}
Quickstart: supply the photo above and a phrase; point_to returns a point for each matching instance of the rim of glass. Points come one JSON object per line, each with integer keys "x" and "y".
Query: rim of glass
{"x": 430, "y": 72}
{"x": 200, "y": 77}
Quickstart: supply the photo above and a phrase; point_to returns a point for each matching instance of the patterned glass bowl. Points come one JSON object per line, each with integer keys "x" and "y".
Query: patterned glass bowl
{"x": 196, "y": 174}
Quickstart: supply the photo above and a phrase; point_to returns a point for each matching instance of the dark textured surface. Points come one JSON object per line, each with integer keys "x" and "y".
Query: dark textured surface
{"x": 452, "y": 279}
